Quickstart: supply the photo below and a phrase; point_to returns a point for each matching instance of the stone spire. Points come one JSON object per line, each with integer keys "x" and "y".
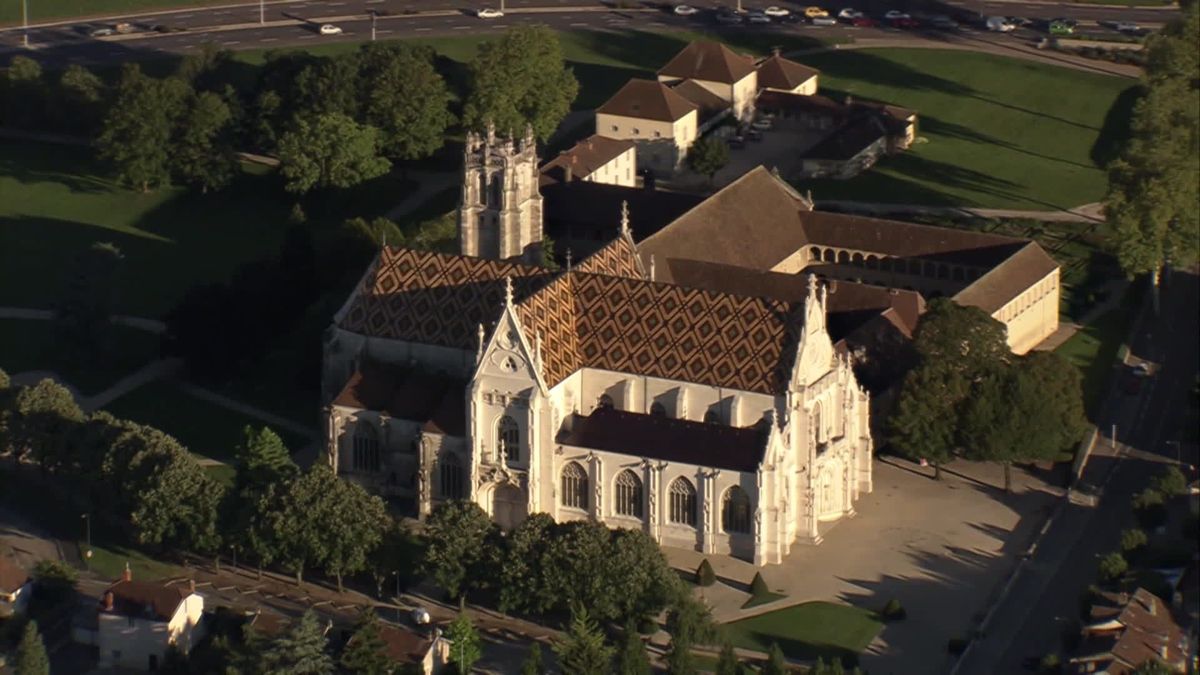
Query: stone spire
{"x": 508, "y": 293}
{"x": 625, "y": 219}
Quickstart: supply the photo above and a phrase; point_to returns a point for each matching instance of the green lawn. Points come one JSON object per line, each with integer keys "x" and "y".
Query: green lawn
{"x": 30, "y": 345}
{"x": 1094, "y": 350}
{"x": 992, "y": 131}
{"x": 809, "y": 630}
{"x": 204, "y": 428}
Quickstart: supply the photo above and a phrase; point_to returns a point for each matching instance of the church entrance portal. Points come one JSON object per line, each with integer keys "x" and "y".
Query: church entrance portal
{"x": 508, "y": 506}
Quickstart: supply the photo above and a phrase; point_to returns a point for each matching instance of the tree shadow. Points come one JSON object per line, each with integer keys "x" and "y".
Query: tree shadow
{"x": 1114, "y": 132}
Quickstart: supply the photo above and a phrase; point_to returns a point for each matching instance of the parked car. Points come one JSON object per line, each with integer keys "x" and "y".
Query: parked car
{"x": 737, "y": 142}
{"x": 102, "y": 32}
{"x": 1127, "y": 27}
{"x": 757, "y": 17}
{"x": 754, "y": 134}
{"x": 728, "y": 18}
{"x": 685, "y": 10}
{"x": 1000, "y": 24}
{"x": 814, "y": 12}
{"x": 123, "y": 28}
{"x": 330, "y": 29}
{"x": 849, "y": 13}
{"x": 776, "y": 12}
{"x": 862, "y": 22}
{"x": 1064, "y": 20}
{"x": 762, "y": 124}
{"x": 1020, "y": 21}
{"x": 489, "y": 13}
{"x": 824, "y": 21}
{"x": 894, "y": 14}
{"x": 943, "y": 22}
{"x": 904, "y": 22}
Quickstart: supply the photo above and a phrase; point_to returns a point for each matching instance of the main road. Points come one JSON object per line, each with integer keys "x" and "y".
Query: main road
{"x": 294, "y": 23}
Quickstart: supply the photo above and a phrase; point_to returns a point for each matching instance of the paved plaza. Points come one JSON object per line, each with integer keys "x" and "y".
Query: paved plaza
{"x": 942, "y": 548}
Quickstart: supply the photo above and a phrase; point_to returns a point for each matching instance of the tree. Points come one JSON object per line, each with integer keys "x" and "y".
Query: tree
{"x": 457, "y": 533}
{"x": 175, "y": 502}
{"x": 532, "y": 665}
{"x": 354, "y": 522}
{"x": 1132, "y": 540}
{"x": 1171, "y": 482}
{"x": 758, "y": 585}
{"x": 707, "y": 156}
{"x": 55, "y": 581}
{"x": 924, "y": 424}
{"x": 84, "y": 314}
{"x": 296, "y": 528}
{"x": 300, "y": 650}
{"x": 262, "y": 459}
{"x": 960, "y": 337}
{"x": 31, "y": 653}
{"x": 330, "y": 150}
{"x": 631, "y": 656}
{"x": 1113, "y": 566}
{"x": 727, "y": 663}
{"x": 41, "y": 423}
{"x": 79, "y": 100}
{"x": 404, "y": 97}
{"x": 582, "y": 650}
{"x": 136, "y": 134}
{"x": 366, "y": 652}
{"x": 776, "y": 664}
{"x": 465, "y": 648}
{"x": 23, "y": 90}
{"x": 202, "y": 154}
{"x": 520, "y": 79}
{"x": 705, "y": 575}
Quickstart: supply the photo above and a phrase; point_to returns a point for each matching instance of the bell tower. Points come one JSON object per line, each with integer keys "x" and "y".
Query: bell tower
{"x": 500, "y": 216}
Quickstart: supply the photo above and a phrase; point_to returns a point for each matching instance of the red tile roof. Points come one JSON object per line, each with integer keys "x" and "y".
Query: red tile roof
{"x": 146, "y": 599}
{"x": 12, "y": 575}
{"x": 777, "y": 72}
{"x": 709, "y": 61}
{"x": 403, "y": 645}
{"x": 432, "y": 399}
{"x": 647, "y": 100}
{"x": 584, "y": 159}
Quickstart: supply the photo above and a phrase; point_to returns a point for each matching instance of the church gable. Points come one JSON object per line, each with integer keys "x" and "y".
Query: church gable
{"x": 509, "y": 353}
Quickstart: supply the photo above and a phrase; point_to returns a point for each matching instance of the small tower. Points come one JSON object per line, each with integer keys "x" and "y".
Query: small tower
{"x": 500, "y": 216}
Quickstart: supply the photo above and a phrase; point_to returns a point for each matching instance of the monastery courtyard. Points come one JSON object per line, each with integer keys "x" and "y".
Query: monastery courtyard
{"x": 942, "y": 548}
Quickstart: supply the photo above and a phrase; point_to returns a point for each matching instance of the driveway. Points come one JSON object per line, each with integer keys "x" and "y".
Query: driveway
{"x": 942, "y": 548}
{"x": 779, "y": 148}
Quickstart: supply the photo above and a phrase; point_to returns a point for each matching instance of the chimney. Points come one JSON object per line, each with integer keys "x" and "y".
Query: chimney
{"x": 1164, "y": 652}
{"x": 108, "y": 601}
{"x": 127, "y": 575}
{"x": 568, "y": 174}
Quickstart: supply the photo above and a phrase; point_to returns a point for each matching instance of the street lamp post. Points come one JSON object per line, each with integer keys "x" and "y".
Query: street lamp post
{"x": 87, "y": 521}
{"x": 374, "y": 16}
{"x": 25, "y": 23}
{"x": 262, "y": 17}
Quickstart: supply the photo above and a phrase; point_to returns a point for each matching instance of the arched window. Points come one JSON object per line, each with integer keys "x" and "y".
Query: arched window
{"x": 857, "y": 259}
{"x": 735, "y": 510}
{"x": 629, "y": 494}
{"x": 605, "y": 402}
{"x": 712, "y": 417}
{"x": 818, "y": 430}
{"x": 451, "y": 474}
{"x": 574, "y": 486}
{"x": 683, "y": 502}
{"x": 508, "y": 439}
{"x": 843, "y": 258}
{"x": 658, "y": 410}
{"x": 814, "y": 253}
{"x": 366, "y": 447}
{"x": 828, "y": 255}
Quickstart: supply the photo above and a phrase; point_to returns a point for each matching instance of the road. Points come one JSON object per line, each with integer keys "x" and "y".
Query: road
{"x": 295, "y": 23}
{"x": 1045, "y": 599}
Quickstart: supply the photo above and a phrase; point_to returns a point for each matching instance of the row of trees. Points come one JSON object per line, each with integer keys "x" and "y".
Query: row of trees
{"x": 969, "y": 395}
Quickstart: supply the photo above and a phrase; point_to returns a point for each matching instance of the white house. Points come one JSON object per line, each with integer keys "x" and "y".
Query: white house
{"x": 719, "y": 69}
{"x": 659, "y": 120}
{"x": 595, "y": 159}
{"x": 139, "y": 620}
{"x": 16, "y": 587}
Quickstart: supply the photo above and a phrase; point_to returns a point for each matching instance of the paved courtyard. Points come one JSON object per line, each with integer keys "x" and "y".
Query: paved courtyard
{"x": 943, "y": 549}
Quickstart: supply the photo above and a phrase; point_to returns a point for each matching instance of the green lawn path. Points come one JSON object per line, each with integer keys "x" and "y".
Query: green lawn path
{"x": 808, "y": 630}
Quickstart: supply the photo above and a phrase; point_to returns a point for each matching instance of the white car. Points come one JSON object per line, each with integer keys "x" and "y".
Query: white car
{"x": 774, "y": 11}
{"x": 685, "y": 10}
{"x": 330, "y": 29}
{"x": 1000, "y": 24}
{"x": 824, "y": 21}
{"x": 489, "y": 13}
{"x": 763, "y": 124}
{"x": 758, "y": 17}
{"x": 894, "y": 14}
{"x": 850, "y": 13}
{"x": 1127, "y": 27}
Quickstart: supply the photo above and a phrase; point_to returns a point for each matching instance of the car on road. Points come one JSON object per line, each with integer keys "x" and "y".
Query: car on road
{"x": 824, "y": 21}
{"x": 1127, "y": 27}
{"x": 849, "y": 13}
{"x": 685, "y": 10}
{"x": 489, "y": 13}
{"x": 894, "y": 14}
{"x": 762, "y": 124}
{"x": 757, "y": 17}
{"x": 102, "y": 32}
{"x": 1000, "y": 24}
{"x": 943, "y": 22}
{"x": 123, "y": 28}
{"x": 728, "y": 18}
{"x": 904, "y": 22}
{"x": 863, "y": 22}
{"x": 815, "y": 12}
{"x": 1020, "y": 21}
{"x": 776, "y": 12}
{"x": 329, "y": 29}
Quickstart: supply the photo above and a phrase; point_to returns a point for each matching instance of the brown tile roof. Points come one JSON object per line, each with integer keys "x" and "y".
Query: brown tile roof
{"x": 908, "y": 240}
{"x": 1146, "y": 630}
{"x": 1009, "y": 279}
{"x": 672, "y": 440}
{"x": 647, "y": 100}
{"x": 146, "y": 599}
{"x": 785, "y": 100}
{"x": 777, "y": 72}
{"x": 707, "y": 103}
{"x": 432, "y": 399}
{"x": 710, "y": 61}
{"x": 584, "y": 159}
{"x": 12, "y": 575}
{"x": 403, "y": 645}
{"x": 848, "y": 141}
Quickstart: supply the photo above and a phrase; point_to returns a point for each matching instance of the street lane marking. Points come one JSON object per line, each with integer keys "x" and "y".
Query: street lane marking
{"x": 267, "y": 39}
{"x": 461, "y": 27}
{"x": 421, "y": 30}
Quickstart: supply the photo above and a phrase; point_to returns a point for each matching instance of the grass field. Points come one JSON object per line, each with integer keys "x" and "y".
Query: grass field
{"x": 30, "y": 345}
{"x": 992, "y": 131}
{"x": 809, "y": 630}
{"x": 204, "y": 428}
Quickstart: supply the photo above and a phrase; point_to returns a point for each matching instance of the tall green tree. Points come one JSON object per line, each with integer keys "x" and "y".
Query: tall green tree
{"x": 136, "y": 134}
{"x": 302, "y": 649}
{"x": 520, "y": 79}
{"x": 707, "y": 156}
{"x": 41, "y": 423}
{"x": 262, "y": 459}
{"x": 963, "y": 338}
{"x": 776, "y": 664}
{"x": 31, "y": 658}
{"x": 366, "y": 652}
{"x": 202, "y": 154}
{"x": 298, "y": 533}
{"x": 582, "y": 650}
{"x": 175, "y": 501}
{"x": 404, "y": 97}
{"x": 354, "y": 523}
{"x": 631, "y": 654}
{"x": 727, "y": 663}
{"x": 924, "y": 424}
{"x": 23, "y": 89}
{"x": 83, "y": 318}
{"x": 532, "y": 665}
{"x": 330, "y": 150}
{"x": 79, "y": 100}
{"x": 457, "y": 533}
{"x": 465, "y": 648}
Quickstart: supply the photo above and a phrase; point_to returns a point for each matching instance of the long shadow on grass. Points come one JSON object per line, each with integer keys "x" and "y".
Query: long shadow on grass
{"x": 871, "y": 68}
{"x": 1115, "y": 129}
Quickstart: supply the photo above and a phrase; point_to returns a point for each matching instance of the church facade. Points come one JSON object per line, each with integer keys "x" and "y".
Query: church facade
{"x": 720, "y": 422}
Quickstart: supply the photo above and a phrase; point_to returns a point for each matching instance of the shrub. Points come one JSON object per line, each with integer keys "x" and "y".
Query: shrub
{"x": 1171, "y": 483}
{"x": 647, "y": 626}
{"x": 1050, "y": 663}
{"x": 1150, "y": 507}
{"x": 894, "y": 611}
{"x": 1132, "y": 540}
{"x": 1113, "y": 566}
{"x": 758, "y": 586}
{"x": 705, "y": 575}
{"x": 956, "y": 646}
{"x": 55, "y": 580}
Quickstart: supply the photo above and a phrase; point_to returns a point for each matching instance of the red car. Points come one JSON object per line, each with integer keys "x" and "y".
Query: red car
{"x": 905, "y": 22}
{"x": 863, "y": 22}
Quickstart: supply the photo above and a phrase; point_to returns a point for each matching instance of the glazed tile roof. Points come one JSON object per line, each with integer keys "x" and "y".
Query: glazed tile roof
{"x": 647, "y": 100}
{"x": 709, "y": 61}
{"x": 672, "y": 440}
{"x": 777, "y": 72}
